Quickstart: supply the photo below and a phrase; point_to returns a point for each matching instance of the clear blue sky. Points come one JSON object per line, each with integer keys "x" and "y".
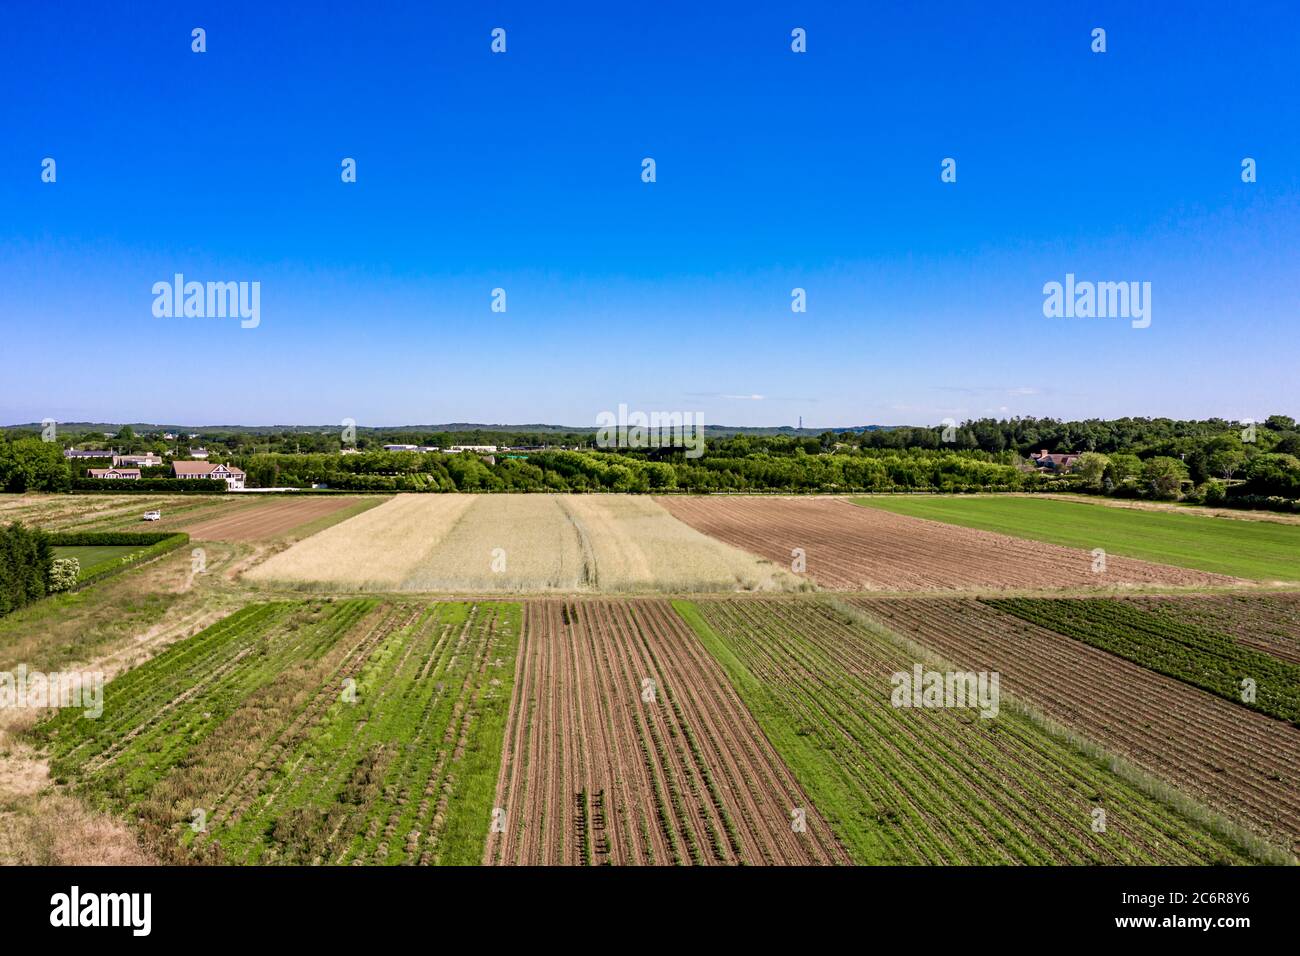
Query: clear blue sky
{"x": 522, "y": 171}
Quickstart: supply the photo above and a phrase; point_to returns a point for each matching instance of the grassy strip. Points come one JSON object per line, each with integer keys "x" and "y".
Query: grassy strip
{"x": 1186, "y": 652}
{"x": 1249, "y": 549}
{"x": 839, "y": 803}
{"x": 470, "y": 813}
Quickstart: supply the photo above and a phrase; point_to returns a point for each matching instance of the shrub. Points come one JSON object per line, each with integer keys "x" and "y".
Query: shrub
{"x": 63, "y": 575}
{"x": 1214, "y": 493}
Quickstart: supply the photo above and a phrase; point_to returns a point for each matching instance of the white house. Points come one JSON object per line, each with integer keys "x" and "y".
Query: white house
{"x": 199, "y": 454}
{"x": 148, "y": 460}
{"x": 233, "y": 477}
{"x": 126, "y": 474}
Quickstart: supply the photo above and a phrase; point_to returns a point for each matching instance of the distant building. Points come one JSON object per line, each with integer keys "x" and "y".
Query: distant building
{"x": 479, "y": 449}
{"x": 149, "y": 460}
{"x": 233, "y": 477}
{"x": 126, "y": 474}
{"x": 201, "y": 454}
{"x": 1048, "y": 462}
{"x": 401, "y": 448}
{"x": 169, "y": 436}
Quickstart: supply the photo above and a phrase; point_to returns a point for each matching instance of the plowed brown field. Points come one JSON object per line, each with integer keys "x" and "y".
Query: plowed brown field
{"x": 1243, "y": 764}
{"x": 260, "y": 520}
{"x": 852, "y": 548}
{"x": 593, "y": 772}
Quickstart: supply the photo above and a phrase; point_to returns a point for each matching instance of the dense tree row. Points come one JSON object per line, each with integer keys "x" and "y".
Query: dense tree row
{"x": 582, "y": 471}
{"x": 25, "y": 563}
{"x": 1214, "y": 460}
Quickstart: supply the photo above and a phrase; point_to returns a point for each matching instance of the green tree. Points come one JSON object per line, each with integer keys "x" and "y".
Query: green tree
{"x": 1163, "y": 476}
{"x": 1123, "y": 466}
{"x": 1225, "y": 462}
{"x": 30, "y": 464}
{"x": 1091, "y": 467}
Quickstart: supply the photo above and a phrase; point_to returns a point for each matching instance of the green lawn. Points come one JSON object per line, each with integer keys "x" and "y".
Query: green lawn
{"x": 94, "y": 555}
{"x": 1263, "y": 550}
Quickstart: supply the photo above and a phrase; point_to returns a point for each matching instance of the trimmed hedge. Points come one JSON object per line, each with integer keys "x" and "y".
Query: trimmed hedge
{"x": 157, "y": 543}
{"x": 74, "y": 539}
{"x": 1262, "y": 503}
{"x": 172, "y": 486}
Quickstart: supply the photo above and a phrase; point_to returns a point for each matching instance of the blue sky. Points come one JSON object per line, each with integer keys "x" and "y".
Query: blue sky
{"x": 522, "y": 171}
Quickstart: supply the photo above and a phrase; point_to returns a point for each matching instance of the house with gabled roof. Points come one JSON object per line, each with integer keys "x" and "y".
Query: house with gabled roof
{"x": 126, "y": 474}
{"x": 232, "y": 476}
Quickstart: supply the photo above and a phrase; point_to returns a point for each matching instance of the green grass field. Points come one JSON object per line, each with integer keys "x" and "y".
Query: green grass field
{"x": 1261, "y": 550}
{"x": 91, "y": 556}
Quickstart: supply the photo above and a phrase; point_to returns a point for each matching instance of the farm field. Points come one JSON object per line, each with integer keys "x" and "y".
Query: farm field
{"x": 906, "y": 785}
{"x": 519, "y": 543}
{"x": 1261, "y": 550}
{"x": 627, "y": 745}
{"x": 306, "y": 732}
{"x": 262, "y": 520}
{"x": 106, "y": 512}
{"x": 1265, "y": 622}
{"x": 1188, "y": 652}
{"x": 852, "y": 548}
{"x": 1242, "y": 764}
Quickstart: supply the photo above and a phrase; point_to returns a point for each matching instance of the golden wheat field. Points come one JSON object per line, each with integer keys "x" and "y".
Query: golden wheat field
{"x": 520, "y": 543}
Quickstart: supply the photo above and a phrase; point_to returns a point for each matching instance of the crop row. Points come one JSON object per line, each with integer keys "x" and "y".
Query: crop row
{"x": 902, "y": 785}
{"x": 307, "y": 732}
{"x": 1179, "y": 649}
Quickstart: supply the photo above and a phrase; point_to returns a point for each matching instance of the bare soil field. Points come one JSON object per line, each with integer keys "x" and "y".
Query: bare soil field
{"x": 1243, "y": 764}
{"x": 851, "y": 548}
{"x": 626, "y": 744}
{"x": 521, "y": 543}
{"x": 1265, "y": 622}
{"x": 261, "y": 520}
